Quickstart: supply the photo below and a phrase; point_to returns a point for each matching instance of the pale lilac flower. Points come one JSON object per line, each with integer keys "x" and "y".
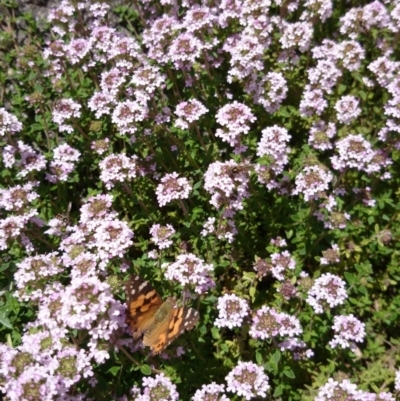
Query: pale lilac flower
{"x": 312, "y": 182}
{"x": 18, "y": 198}
{"x": 227, "y": 183}
{"x": 172, "y": 187}
{"x": 77, "y": 49}
{"x": 210, "y": 392}
{"x": 29, "y": 160}
{"x": 66, "y": 153}
{"x": 125, "y": 50}
{"x": 190, "y": 270}
{"x": 273, "y": 145}
{"x": 199, "y": 18}
{"x": 312, "y": 102}
{"x": 159, "y": 35}
{"x": 262, "y": 267}
{"x": 246, "y": 51}
{"x": 281, "y": 263}
{"x": 297, "y": 35}
{"x": 101, "y": 103}
{"x": 97, "y": 207}
{"x": 185, "y": 49}
{"x": 350, "y": 53}
{"x": 330, "y": 256}
{"x": 320, "y": 135}
{"x": 111, "y": 82}
{"x": 324, "y": 76}
{"x": 334, "y": 390}
{"x": 188, "y": 112}
{"x": 9, "y": 124}
{"x": 356, "y": 152}
{"x": 159, "y": 388}
{"x": 279, "y": 242}
{"x": 297, "y": 347}
{"x": 85, "y": 299}
{"x": 385, "y": 69}
{"x": 57, "y": 226}
{"x": 64, "y": 110}
{"x": 160, "y": 235}
{"x": 348, "y": 330}
{"x": 118, "y": 168}
{"x": 126, "y": 116}
{"x": 147, "y": 79}
{"x": 321, "y": 9}
{"x": 13, "y": 227}
{"x": 226, "y": 228}
{"x": 247, "y": 380}
{"x": 347, "y": 108}
{"x": 32, "y": 274}
{"x": 268, "y": 323}
{"x": 33, "y": 380}
{"x": 153, "y": 254}
{"x": 232, "y": 310}
{"x": 397, "y": 381}
{"x": 236, "y": 119}
{"x": 327, "y": 290}
{"x": 270, "y": 91}
{"x": 101, "y": 146}
{"x": 59, "y": 171}
{"x": 111, "y": 238}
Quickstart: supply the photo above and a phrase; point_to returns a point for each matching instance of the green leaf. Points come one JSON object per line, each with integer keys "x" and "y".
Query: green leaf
{"x": 278, "y": 391}
{"x": 215, "y": 333}
{"x": 276, "y": 357}
{"x": 114, "y": 370}
{"x": 5, "y": 321}
{"x": 146, "y": 370}
{"x": 289, "y": 373}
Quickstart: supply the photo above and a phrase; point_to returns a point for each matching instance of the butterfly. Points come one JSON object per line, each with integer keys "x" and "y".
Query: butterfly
{"x": 160, "y": 322}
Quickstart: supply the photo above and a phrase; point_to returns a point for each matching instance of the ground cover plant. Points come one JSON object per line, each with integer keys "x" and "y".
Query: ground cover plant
{"x": 241, "y": 157}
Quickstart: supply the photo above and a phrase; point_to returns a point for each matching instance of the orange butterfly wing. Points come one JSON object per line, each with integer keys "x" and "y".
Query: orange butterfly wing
{"x": 161, "y": 322}
{"x": 175, "y": 323}
{"x": 143, "y": 302}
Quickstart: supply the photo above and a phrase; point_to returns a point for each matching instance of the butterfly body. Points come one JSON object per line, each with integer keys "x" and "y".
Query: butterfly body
{"x": 160, "y": 322}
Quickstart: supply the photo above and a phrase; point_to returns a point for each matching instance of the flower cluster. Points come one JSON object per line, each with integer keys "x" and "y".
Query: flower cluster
{"x": 188, "y": 112}
{"x": 347, "y": 330}
{"x": 281, "y": 263}
{"x": 211, "y": 392}
{"x": 331, "y": 256}
{"x": 313, "y": 183}
{"x": 190, "y": 270}
{"x": 65, "y": 158}
{"x": 232, "y": 310}
{"x": 346, "y": 390}
{"x": 327, "y": 290}
{"x": 272, "y": 146}
{"x": 9, "y": 124}
{"x": 172, "y": 187}
{"x": 227, "y": 183}
{"x": 236, "y": 119}
{"x": 159, "y": 388}
{"x": 161, "y": 234}
{"x": 248, "y": 380}
{"x": 118, "y": 168}
{"x": 268, "y": 323}
{"x": 63, "y": 110}
{"x": 24, "y": 158}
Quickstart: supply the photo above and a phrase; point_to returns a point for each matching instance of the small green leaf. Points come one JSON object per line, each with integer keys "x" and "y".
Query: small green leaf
{"x": 278, "y": 391}
{"x": 5, "y": 321}
{"x": 215, "y": 333}
{"x": 146, "y": 370}
{"x": 289, "y": 373}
